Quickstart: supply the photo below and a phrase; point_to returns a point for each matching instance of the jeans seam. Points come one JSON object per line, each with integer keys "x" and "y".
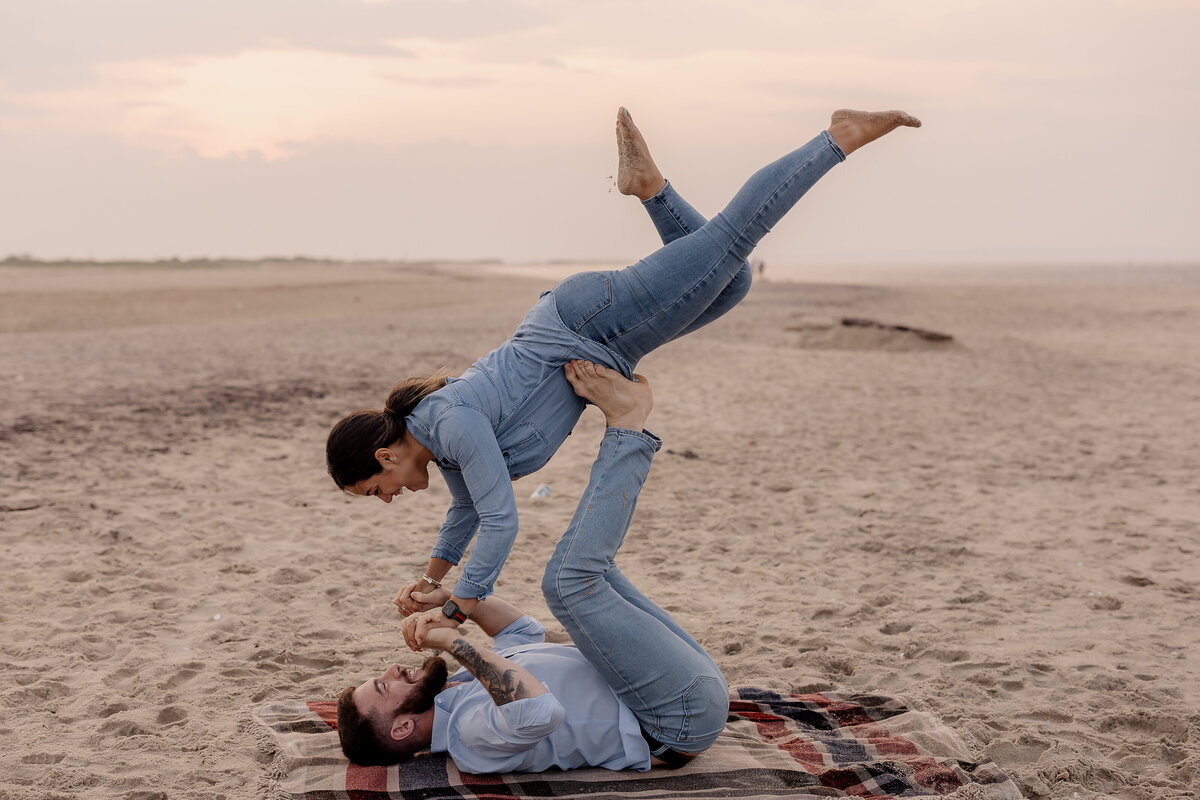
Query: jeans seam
{"x": 726, "y": 251}
{"x": 769, "y": 200}
{"x": 661, "y": 197}
{"x": 570, "y": 610}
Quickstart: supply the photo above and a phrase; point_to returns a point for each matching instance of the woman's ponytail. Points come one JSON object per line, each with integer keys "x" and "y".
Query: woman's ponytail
{"x": 406, "y": 394}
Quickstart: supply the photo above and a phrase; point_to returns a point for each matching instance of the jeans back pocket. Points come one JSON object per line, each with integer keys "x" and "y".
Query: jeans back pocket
{"x": 524, "y": 449}
{"x": 705, "y": 710}
{"x": 581, "y": 297}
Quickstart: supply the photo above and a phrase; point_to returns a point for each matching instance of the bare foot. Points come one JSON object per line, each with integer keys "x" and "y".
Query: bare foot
{"x": 852, "y": 129}
{"x": 637, "y": 174}
{"x": 625, "y": 403}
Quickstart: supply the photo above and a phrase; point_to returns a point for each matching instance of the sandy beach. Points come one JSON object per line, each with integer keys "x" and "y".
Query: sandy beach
{"x": 1002, "y": 528}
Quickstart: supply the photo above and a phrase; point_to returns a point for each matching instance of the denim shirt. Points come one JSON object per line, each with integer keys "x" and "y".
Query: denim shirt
{"x": 579, "y": 722}
{"x": 500, "y": 420}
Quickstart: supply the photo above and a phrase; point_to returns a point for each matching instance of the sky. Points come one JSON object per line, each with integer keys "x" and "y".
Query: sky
{"x": 1055, "y": 131}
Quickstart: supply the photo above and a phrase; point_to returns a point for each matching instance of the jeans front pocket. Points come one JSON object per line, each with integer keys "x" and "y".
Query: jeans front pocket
{"x": 581, "y": 297}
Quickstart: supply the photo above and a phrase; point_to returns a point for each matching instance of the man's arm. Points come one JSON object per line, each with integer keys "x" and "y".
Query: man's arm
{"x": 492, "y": 615}
{"x": 505, "y": 680}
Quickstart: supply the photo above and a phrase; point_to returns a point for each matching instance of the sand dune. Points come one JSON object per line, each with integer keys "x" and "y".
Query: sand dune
{"x": 1006, "y": 531}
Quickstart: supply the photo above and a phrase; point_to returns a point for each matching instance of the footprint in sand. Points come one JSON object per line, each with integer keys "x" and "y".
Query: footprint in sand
{"x": 1105, "y": 604}
{"x": 237, "y": 672}
{"x": 1025, "y": 750}
{"x": 285, "y": 576}
{"x": 123, "y": 727}
{"x": 38, "y": 693}
{"x": 115, "y": 708}
{"x": 1106, "y": 683}
{"x": 43, "y": 758}
{"x": 326, "y": 635}
{"x": 171, "y": 715}
{"x": 1046, "y": 715}
{"x": 185, "y": 674}
{"x": 1166, "y": 727}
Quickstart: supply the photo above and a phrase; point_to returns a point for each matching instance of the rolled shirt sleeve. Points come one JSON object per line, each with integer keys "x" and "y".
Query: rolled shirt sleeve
{"x": 470, "y": 442}
{"x": 522, "y": 630}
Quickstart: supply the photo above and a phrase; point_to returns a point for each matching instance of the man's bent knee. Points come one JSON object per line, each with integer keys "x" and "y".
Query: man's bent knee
{"x": 561, "y": 586}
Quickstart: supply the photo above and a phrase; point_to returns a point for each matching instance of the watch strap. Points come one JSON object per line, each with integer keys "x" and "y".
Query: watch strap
{"x": 452, "y": 611}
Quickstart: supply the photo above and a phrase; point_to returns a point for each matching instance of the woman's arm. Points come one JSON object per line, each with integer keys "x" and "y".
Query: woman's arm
{"x": 460, "y": 525}
{"x": 469, "y": 440}
{"x": 453, "y": 538}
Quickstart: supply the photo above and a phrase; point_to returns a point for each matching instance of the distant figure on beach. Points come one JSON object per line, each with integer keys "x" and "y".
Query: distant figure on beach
{"x": 508, "y": 414}
{"x": 634, "y": 690}
{"x": 759, "y": 266}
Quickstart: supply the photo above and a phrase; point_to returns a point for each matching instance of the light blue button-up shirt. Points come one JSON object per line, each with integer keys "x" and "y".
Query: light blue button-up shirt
{"x": 502, "y": 419}
{"x": 579, "y": 722}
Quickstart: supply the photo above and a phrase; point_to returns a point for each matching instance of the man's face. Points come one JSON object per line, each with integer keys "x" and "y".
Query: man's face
{"x": 400, "y": 690}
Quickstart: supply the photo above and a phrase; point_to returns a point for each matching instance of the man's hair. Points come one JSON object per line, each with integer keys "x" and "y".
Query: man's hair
{"x": 365, "y": 738}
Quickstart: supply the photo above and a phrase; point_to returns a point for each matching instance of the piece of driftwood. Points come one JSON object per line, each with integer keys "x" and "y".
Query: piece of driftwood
{"x": 929, "y": 336}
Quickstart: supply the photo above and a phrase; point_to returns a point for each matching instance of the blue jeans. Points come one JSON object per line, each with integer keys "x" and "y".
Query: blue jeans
{"x": 665, "y": 677}
{"x": 701, "y": 270}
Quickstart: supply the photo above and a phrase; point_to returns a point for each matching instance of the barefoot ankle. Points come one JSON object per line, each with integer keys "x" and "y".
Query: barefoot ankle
{"x": 853, "y": 129}
{"x": 626, "y": 422}
{"x": 637, "y": 174}
{"x": 646, "y": 194}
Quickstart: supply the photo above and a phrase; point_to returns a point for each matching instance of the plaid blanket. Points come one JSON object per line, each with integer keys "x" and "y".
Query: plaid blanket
{"x": 775, "y": 745}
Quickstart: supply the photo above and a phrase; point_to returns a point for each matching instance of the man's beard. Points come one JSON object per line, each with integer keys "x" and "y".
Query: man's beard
{"x": 432, "y": 682}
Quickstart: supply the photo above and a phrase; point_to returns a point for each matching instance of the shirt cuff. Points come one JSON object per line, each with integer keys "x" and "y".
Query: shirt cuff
{"x": 523, "y": 630}
{"x": 446, "y": 554}
{"x": 645, "y": 435}
{"x": 469, "y": 590}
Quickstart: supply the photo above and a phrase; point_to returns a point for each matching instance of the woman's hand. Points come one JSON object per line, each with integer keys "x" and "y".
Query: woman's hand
{"x": 413, "y": 598}
{"x": 416, "y": 626}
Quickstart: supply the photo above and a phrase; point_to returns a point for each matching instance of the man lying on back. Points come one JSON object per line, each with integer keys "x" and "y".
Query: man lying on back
{"x": 494, "y": 715}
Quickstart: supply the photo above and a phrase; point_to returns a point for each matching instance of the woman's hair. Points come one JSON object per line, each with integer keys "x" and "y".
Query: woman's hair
{"x": 350, "y": 449}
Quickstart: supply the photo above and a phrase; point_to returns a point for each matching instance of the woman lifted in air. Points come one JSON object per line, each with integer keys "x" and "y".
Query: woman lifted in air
{"x": 508, "y": 414}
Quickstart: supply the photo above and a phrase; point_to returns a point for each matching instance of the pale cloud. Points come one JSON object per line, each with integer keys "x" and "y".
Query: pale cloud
{"x": 1027, "y": 105}
{"x": 273, "y": 101}
{"x": 396, "y": 72}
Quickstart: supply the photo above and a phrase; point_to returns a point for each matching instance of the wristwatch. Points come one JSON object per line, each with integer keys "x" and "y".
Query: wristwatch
{"x": 452, "y": 611}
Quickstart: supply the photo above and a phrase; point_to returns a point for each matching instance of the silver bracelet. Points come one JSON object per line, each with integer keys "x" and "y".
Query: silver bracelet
{"x": 431, "y": 582}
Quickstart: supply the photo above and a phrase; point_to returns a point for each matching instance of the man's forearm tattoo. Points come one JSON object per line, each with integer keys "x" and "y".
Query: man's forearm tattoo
{"x": 503, "y": 686}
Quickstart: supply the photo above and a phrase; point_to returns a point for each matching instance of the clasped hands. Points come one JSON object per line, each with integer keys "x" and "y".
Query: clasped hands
{"x": 423, "y": 613}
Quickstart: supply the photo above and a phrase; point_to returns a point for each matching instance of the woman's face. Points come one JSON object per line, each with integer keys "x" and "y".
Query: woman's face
{"x": 403, "y": 468}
